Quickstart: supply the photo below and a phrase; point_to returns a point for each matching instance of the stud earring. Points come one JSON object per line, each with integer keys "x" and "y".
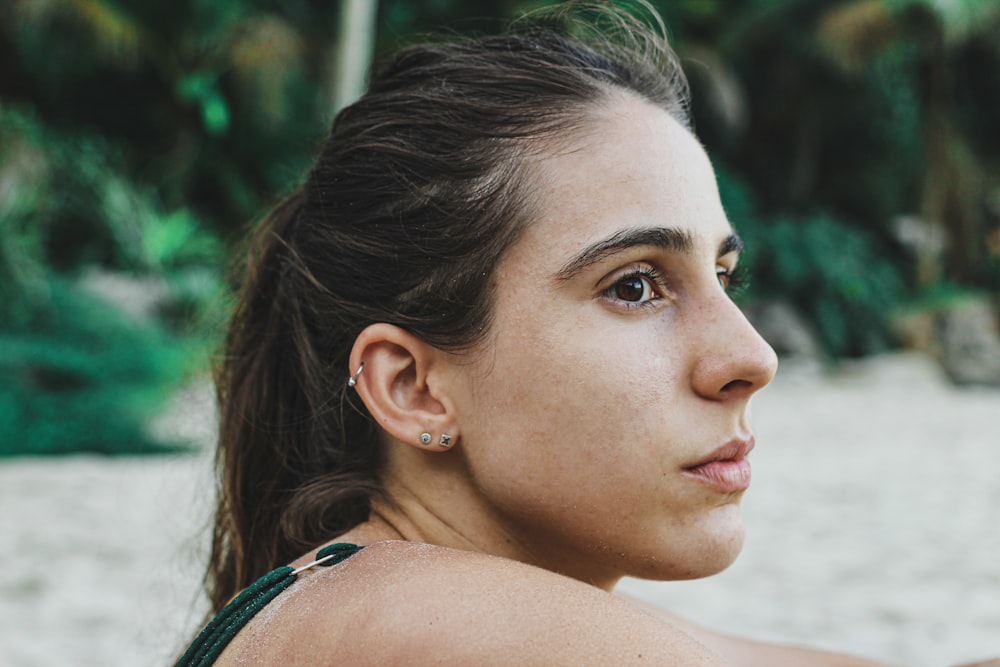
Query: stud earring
{"x": 353, "y": 380}
{"x": 425, "y": 438}
{"x": 445, "y": 440}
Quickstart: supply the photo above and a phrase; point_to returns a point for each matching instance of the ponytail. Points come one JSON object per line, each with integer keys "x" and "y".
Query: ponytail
{"x": 286, "y": 482}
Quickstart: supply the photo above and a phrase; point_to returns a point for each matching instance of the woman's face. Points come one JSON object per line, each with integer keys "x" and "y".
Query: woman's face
{"x": 605, "y": 422}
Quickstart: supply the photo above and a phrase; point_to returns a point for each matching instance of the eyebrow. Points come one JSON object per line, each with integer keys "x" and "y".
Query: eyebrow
{"x": 667, "y": 238}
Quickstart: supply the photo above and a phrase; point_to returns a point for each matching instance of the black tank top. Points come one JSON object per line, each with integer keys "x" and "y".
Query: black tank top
{"x": 234, "y": 616}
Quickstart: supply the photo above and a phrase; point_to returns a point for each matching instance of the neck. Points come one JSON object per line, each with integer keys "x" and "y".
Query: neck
{"x": 451, "y": 517}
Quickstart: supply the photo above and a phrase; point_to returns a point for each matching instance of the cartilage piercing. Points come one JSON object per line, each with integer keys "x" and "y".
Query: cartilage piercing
{"x": 353, "y": 380}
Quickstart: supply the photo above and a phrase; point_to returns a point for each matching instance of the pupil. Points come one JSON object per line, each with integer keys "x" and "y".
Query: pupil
{"x": 630, "y": 289}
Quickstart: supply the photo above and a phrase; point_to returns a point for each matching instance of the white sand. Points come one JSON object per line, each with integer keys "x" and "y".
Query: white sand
{"x": 873, "y": 526}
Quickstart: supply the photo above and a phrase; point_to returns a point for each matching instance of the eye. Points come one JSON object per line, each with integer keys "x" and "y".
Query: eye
{"x": 731, "y": 279}
{"x": 636, "y": 288}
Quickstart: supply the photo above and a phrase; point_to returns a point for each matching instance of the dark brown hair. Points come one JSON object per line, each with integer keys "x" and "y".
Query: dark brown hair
{"x": 416, "y": 194}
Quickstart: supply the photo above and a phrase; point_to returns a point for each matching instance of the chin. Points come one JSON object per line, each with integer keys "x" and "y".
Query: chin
{"x": 700, "y": 552}
{"x": 717, "y": 560}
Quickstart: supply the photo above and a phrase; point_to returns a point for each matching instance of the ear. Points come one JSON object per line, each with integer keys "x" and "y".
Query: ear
{"x": 403, "y": 387}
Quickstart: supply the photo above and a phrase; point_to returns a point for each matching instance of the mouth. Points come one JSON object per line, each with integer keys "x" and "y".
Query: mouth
{"x": 726, "y": 469}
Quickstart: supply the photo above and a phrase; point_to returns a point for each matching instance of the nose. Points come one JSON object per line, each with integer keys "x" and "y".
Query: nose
{"x": 733, "y": 360}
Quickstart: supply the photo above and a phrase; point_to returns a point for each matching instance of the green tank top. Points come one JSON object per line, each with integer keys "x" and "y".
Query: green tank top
{"x": 210, "y": 643}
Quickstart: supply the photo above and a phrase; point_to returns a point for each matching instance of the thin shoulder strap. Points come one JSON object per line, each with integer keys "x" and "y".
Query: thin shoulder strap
{"x": 227, "y": 623}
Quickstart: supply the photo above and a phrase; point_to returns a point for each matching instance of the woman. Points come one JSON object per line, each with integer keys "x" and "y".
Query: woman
{"x": 489, "y": 341}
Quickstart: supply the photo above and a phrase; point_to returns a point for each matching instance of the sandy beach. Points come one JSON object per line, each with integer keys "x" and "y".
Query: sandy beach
{"x": 873, "y": 526}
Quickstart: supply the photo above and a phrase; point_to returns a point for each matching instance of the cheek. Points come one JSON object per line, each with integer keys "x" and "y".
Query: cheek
{"x": 560, "y": 410}
{"x": 576, "y": 431}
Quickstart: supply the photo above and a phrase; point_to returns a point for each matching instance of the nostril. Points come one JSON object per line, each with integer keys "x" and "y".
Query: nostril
{"x": 737, "y": 385}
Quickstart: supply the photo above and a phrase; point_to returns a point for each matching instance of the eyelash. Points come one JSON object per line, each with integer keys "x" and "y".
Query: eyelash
{"x": 737, "y": 280}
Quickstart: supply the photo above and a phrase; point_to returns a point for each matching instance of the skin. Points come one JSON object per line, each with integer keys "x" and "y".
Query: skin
{"x": 607, "y": 382}
{"x": 616, "y": 361}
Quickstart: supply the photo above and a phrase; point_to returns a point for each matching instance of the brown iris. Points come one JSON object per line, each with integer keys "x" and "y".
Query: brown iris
{"x": 631, "y": 288}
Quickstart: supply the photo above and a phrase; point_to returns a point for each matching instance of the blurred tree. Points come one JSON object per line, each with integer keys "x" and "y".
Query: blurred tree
{"x": 858, "y": 34}
{"x": 862, "y": 113}
{"x": 213, "y": 102}
{"x": 134, "y": 135}
{"x": 355, "y": 43}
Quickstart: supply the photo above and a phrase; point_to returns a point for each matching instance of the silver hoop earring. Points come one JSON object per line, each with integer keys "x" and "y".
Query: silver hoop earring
{"x": 445, "y": 440}
{"x": 425, "y": 438}
{"x": 353, "y": 380}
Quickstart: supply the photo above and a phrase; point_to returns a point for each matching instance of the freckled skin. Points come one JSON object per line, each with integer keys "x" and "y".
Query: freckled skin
{"x": 581, "y": 415}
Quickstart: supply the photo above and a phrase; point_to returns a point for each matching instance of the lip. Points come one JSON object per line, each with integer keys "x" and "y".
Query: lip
{"x": 726, "y": 469}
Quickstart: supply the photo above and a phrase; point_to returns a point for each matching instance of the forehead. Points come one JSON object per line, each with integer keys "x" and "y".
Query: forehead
{"x": 630, "y": 166}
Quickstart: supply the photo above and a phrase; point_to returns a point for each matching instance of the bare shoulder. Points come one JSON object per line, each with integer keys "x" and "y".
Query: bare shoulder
{"x": 417, "y": 604}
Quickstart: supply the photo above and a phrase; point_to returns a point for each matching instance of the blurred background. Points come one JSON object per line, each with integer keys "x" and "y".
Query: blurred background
{"x": 855, "y": 141}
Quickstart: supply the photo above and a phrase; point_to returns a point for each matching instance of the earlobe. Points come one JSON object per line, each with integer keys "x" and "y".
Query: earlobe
{"x": 397, "y": 377}
{"x": 445, "y": 442}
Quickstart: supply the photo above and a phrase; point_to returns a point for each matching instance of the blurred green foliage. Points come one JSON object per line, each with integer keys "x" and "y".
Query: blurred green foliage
{"x": 75, "y": 375}
{"x": 843, "y": 279}
{"x": 138, "y": 138}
